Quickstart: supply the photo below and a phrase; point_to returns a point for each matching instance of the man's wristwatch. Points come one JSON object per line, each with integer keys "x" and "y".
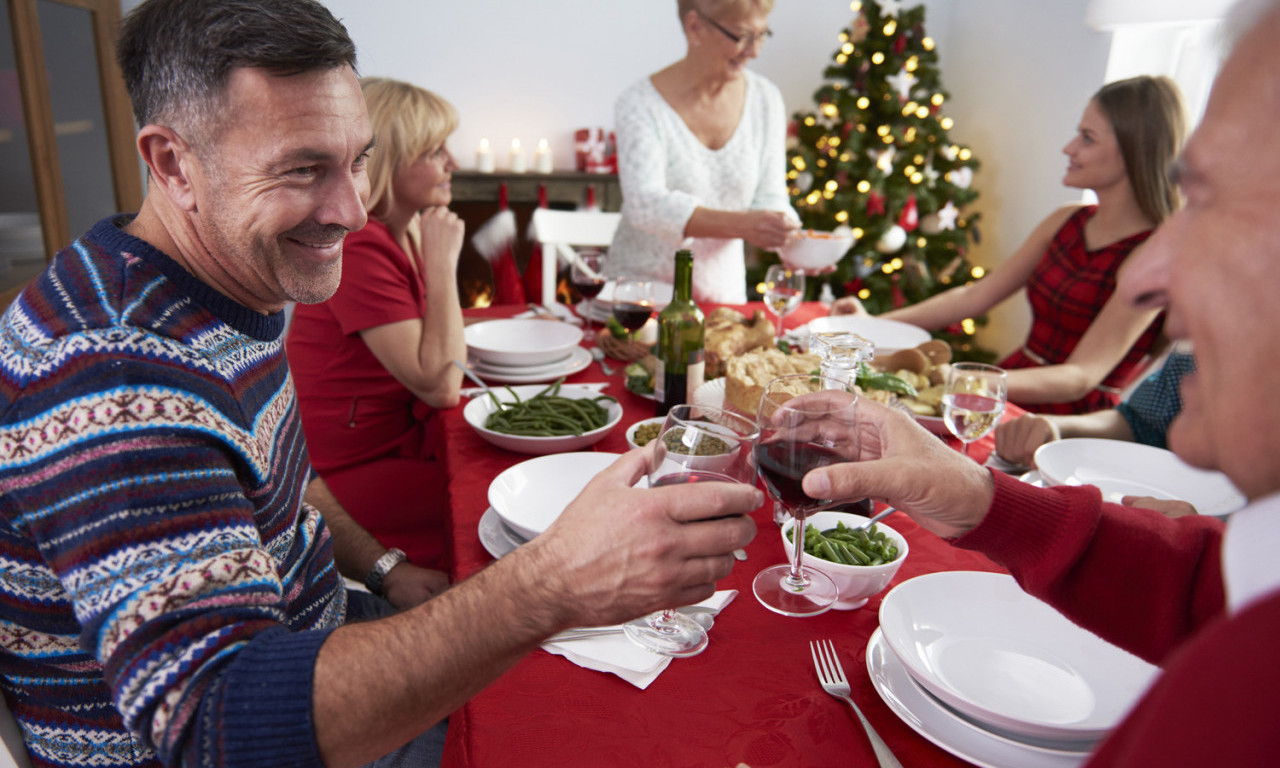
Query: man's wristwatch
{"x": 392, "y": 558}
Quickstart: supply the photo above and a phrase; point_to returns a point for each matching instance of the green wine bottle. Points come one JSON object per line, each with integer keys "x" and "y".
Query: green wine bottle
{"x": 680, "y": 342}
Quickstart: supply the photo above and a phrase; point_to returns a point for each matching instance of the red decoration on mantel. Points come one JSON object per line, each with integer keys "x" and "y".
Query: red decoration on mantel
{"x": 495, "y": 240}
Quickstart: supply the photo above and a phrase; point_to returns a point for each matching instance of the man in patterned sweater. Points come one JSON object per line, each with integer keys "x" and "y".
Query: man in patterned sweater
{"x": 169, "y": 572}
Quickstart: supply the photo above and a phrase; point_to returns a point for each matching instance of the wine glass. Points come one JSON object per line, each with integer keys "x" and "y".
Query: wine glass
{"x": 973, "y": 400}
{"x": 806, "y": 421}
{"x": 696, "y": 444}
{"x": 783, "y": 290}
{"x": 586, "y": 275}
{"x": 632, "y": 303}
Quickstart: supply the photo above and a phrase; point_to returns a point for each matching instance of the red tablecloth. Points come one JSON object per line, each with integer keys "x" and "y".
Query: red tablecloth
{"x": 751, "y": 697}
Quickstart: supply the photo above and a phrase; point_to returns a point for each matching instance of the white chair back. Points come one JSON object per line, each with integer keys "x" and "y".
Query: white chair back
{"x": 558, "y": 231}
{"x": 13, "y": 751}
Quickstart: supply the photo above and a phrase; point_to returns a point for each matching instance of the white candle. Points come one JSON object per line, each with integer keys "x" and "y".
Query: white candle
{"x": 517, "y": 161}
{"x": 484, "y": 158}
{"x": 542, "y": 157}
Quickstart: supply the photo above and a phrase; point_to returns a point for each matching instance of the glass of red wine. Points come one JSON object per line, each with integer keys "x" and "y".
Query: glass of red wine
{"x": 632, "y": 303}
{"x": 586, "y": 275}
{"x": 806, "y": 421}
{"x": 696, "y": 445}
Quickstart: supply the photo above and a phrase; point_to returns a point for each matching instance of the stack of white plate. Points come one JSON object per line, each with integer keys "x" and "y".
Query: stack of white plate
{"x": 600, "y": 308}
{"x": 524, "y": 500}
{"x": 888, "y": 336}
{"x": 1119, "y": 468}
{"x": 995, "y": 676}
{"x": 525, "y": 351}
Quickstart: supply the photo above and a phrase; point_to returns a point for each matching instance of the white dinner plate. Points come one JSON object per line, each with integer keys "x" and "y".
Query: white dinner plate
{"x": 986, "y": 648}
{"x": 1120, "y": 468}
{"x": 889, "y": 336}
{"x": 523, "y": 370}
{"x": 520, "y": 341}
{"x": 923, "y": 715}
{"x": 496, "y": 538}
{"x": 578, "y": 360}
{"x": 711, "y": 395}
{"x": 662, "y": 293}
{"x": 529, "y": 496}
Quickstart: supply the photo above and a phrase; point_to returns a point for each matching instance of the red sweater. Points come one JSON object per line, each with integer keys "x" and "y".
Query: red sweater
{"x": 1154, "y": 586}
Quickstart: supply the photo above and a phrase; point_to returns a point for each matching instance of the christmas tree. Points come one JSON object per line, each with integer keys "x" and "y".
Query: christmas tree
{"x": 875, "y": 157}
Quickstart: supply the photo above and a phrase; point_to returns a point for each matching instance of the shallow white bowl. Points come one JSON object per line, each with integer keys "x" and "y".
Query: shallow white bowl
{"x": 532, "y": 494}
{"x": 889, "y": 336}
{"x": 478, "y": 410}
{"x": 521, "y": 341}
{"x": 856, "y": 583}
{"x": 809, "y": 249}
{"x": 991, "y": 651}
{"x": 631, "y": 430}
{"x": 1119, "y": 468}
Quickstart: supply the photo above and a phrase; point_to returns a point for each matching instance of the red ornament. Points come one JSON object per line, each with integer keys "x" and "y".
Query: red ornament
{"x": 896, "y": 295}
{"x": 853, "y": 286}
{"x": 900, "y": 44}
{"x": 910, "y": 218}
{"x": 875, "y": 204}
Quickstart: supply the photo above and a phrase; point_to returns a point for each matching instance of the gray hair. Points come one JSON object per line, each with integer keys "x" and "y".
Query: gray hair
{"x": 176, "y": 55}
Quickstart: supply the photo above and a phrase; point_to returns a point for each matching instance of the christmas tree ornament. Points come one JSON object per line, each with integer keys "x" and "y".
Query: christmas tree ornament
{"x": 961, "y": 177}
{"x": 859, "y": 29}
{"x": 900, "y": 44}
{"x": 947, "y": 216}
{"x": 910, "y": 217}
{"x": 890, "y": 8}
{"x": 892, "y": 240}
{"x": 875, "y": 204}
{"x": 902, "y": 82}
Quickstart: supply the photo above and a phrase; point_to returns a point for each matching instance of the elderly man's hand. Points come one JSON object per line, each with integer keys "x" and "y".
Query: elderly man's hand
{"x": 900, "y": 463}
{"x": 618, "y": 552}
{"x": 407, "y": 585}
{"x": 1017, "y": 439}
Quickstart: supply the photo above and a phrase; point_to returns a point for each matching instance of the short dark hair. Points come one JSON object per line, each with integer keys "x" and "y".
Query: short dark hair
{"x": 176, "y": 55}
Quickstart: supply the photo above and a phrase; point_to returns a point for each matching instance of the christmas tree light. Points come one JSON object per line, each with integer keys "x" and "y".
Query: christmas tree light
{"x": 874, "y": 156}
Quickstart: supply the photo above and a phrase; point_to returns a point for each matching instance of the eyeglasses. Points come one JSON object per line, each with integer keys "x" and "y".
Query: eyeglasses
{"x": 742, "y": 40}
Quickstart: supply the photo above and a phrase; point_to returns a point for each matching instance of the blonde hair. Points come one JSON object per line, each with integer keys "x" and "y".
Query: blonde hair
{"x": 407, "y": 121}
{"x": 718, "y": 9}
{"x": 1147, "y": 117}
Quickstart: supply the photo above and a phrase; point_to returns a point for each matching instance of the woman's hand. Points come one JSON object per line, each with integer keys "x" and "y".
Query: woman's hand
{"x": 1017, "y": 439}
{"x": 768, "y": 229}
{"x": 1166, "y": 507}
{"x": 442, "y": 232}
{"x": 848, "y": 305}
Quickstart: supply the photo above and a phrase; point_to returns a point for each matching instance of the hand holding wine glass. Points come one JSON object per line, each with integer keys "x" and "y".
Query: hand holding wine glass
{"x": 806, "y": 422}
{"x": 695, "y": 445}
{"x": 586, "y": 275}
{"x": 783, "y": 290}
{"x": 973, "y": 400}
{"x": 632, "y": 303}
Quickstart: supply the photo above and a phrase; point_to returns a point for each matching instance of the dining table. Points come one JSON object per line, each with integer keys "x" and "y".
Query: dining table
{"x": 752, "y": 697}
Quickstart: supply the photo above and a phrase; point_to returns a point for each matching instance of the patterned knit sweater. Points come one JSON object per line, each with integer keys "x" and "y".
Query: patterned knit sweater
{"x": 164, "y": 591}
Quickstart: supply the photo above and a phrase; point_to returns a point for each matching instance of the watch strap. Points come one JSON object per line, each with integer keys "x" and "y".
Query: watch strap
{"x": 390, "y": 559}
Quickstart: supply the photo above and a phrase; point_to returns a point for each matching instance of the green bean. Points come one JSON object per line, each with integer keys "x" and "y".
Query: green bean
{"x": 548, "y": 414}
{"x": 849, "y": 546}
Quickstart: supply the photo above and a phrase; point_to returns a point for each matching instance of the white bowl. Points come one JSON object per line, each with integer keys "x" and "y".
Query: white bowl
{"x": 889, "y": 336}
{"x": 808, "y": 249}
{"x": 532, "y": 494}
{"x": 521, "y": 341}
{"x": 478, "y": 410}
{"x": 856, "y": 583}
{"x": 631, "y": 430}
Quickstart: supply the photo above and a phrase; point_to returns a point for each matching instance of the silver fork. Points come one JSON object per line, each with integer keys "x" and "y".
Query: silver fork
{"x": 831, "y": 676}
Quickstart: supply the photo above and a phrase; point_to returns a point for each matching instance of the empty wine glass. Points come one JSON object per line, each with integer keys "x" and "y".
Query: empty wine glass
{"x": 632, "y": 303}
{"x": 783, "y": 290}
{"x": 586, "y": 275}
{"x": 696, "y": 444}
{"x": 806, "y": 421}
{"x": 973, "y": 399}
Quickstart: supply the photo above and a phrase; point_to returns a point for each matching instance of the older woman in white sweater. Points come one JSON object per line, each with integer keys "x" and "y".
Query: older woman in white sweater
{"x": 701, "y": 151}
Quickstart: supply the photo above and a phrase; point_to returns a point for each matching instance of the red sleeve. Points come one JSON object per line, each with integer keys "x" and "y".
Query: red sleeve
{"x": 1132, "y": 576}
{"x": 376, "y": 288}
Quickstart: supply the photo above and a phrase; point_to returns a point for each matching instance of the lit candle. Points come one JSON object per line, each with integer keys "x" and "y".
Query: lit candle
{"x": 517, "y": 164}
{"x": 484, "y": 158}
{"x": 542, "y": 157}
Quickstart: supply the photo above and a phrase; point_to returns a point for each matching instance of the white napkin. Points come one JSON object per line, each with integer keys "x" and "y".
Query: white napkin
{"x": 559, "y": 310}
{"x": 617, "y": 654}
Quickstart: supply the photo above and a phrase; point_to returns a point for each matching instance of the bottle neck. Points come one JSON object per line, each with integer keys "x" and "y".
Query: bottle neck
{"x": 684, "y": 278}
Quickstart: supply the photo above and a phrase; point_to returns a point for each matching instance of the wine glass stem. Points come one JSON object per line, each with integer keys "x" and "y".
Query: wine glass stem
{"x": 662, "y": 620}
{"x": 796, "y": 578}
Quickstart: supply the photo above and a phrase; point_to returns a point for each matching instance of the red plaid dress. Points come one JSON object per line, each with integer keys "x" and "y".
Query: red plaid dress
{"x": 1068, "y": 289}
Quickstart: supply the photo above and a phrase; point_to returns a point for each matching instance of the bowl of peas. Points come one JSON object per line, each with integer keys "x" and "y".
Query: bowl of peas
{"x": 861, "y": 561}
{"x": 539, "y": 419}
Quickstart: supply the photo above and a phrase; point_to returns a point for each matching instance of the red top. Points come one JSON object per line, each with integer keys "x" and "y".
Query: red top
{"x": 1067, "y": 290}
{"x": 361, "y": 423}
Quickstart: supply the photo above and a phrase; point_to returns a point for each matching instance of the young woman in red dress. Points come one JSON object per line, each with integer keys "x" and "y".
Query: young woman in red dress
{"x": 372, "y": 364}
{"x": 1084, "y": 346}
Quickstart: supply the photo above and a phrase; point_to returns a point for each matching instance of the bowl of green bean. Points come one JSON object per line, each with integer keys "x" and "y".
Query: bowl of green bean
{"x": 539, "y": 418}
{"x": 861, "y": 561}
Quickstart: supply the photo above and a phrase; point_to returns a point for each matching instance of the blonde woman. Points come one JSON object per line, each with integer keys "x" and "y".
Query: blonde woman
{"x": 702, "y": 155}
{"x": 1085, "y": 344}
{"x": 372, "y": 364}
